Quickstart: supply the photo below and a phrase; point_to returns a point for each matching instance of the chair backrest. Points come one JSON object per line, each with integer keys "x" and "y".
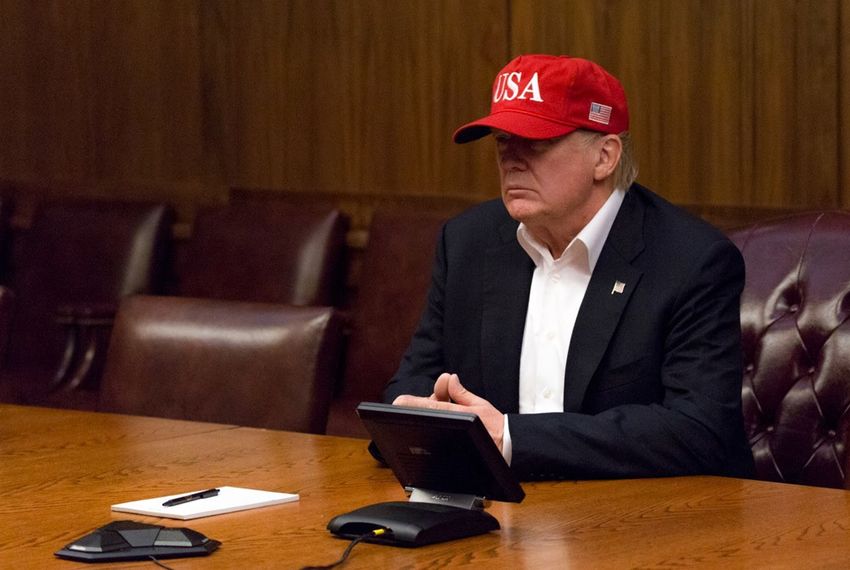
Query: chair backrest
{"x": 796, "y": 343}
{"x": 394, "y": 278}
{"x": 81, "y": 252}
{"x": 266, "y": 251}
{"x": 251, "y": 364}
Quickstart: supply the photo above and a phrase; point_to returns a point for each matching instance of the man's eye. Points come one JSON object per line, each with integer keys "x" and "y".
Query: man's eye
{"x": 540, "y": 146}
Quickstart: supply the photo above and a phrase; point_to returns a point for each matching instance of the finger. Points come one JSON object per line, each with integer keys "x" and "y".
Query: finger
{"x": 447, "y": 406}
{"x": 461, "y": 395}
{"x": 412, "y": 401}
{"x": 427, "y": 403}
{"x": 441, "y": 387}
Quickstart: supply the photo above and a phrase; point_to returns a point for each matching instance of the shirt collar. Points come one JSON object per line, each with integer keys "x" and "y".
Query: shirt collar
{"x": 592, "y": 235}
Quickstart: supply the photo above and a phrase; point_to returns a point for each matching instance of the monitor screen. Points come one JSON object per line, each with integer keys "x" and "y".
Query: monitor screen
{"x": 437, "y": 450}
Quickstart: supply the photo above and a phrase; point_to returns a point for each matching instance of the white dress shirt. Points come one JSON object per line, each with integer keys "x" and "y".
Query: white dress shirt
{"x": 557, "y": 290}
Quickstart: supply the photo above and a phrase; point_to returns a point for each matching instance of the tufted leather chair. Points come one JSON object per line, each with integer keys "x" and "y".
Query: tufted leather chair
{"x": 394, "y": 279}
{"x": 267, "y": 251}
{"x": 74, "y": 264}
{"x": 251, "y": 364}
{"x": 796, "y": 343}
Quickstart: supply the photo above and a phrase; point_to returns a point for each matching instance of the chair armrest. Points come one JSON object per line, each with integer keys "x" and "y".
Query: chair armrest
{"x": 86, "y": 329}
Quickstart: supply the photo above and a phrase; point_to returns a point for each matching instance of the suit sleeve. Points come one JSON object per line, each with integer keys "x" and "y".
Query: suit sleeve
{"x": 694, "y": 428}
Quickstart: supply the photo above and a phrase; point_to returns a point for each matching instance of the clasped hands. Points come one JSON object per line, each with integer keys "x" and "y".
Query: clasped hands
{"x": 449, "y": 394}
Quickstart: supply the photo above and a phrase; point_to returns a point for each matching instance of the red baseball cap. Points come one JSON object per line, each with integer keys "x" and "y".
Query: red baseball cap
{"x": 547, "y": 96}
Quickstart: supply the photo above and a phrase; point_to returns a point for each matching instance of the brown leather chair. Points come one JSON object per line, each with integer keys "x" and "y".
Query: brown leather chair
{"x": 250, "y": 364}
{"x": 267, "y": 251}
{"x": 795, "y": 318}
{"x": 74, "y": 264}
{"x": 394, "y": 279}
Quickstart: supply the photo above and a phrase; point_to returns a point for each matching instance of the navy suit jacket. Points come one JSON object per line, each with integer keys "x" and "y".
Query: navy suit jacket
{"x": 653, "y": 374}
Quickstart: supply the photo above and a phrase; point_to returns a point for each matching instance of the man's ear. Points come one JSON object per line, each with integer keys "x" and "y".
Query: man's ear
{"x": 610, "y": 149}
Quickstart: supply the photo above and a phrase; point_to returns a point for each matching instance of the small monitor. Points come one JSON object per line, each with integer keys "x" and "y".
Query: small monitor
{"x": 450, "y": 466}
{"x": 440, "y": 451}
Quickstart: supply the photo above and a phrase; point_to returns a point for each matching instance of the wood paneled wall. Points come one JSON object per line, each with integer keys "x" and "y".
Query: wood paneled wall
{"x": 733, "y": 101}
{"x": 739, "y": 103}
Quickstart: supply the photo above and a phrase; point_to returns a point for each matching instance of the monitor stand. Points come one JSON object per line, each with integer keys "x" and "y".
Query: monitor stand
{"x": 427, "y": 517}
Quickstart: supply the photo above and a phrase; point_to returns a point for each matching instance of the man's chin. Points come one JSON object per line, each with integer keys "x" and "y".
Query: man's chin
{"x": 520, "y": 208}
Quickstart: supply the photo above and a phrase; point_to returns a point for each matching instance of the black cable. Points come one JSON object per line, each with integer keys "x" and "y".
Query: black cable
{"x": 160, "y": 564}
{"x": 361, "y": 538}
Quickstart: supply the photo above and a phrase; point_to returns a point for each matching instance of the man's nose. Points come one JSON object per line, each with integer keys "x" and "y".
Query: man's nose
{"x": 511, "y": 153}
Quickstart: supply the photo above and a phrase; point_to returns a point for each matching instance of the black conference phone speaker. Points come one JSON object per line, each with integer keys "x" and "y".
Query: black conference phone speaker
{"x": 129, "y": 540}
{"x": 449, "y": 466}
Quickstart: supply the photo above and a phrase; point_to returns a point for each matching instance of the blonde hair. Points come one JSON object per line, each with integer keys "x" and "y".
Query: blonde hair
{"x": 626, "y": 171}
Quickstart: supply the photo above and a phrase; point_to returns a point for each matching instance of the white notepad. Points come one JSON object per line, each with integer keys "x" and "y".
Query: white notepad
{"x": 228, "y": 500}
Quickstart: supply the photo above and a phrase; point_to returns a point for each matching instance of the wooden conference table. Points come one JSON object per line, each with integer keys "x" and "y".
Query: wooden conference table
{"x": 61, "y": 470}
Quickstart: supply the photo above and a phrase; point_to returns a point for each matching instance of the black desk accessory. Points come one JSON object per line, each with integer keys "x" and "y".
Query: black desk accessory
{"x": 192, "y": 497}
{"x": 448, "y": 464}
{"x": 129, "y": 540}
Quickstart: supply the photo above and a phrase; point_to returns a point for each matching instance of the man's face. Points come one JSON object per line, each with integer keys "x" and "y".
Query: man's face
{"x": 549, "y": 183}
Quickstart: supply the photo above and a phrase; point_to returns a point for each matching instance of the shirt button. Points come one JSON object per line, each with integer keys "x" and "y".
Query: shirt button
{"x": 547, "y": 393}
{"x": 550, "y": 335}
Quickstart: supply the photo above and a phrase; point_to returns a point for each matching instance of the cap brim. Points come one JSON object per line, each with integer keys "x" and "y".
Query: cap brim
{"x": 516, "y": 123}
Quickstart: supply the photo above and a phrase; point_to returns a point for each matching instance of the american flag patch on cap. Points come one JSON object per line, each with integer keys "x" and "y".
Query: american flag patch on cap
{"x": 600, "y": 113}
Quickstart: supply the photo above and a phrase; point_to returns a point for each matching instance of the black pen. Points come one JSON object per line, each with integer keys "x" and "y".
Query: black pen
{"x": 193, "y": 497}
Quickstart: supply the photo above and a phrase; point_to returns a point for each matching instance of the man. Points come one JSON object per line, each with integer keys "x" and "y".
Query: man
{"x": 591, "y": 325}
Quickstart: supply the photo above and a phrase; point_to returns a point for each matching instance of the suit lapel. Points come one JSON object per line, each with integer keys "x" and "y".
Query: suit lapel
{"x": 604, "y": 301}
{"x": 507, "y": 282}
